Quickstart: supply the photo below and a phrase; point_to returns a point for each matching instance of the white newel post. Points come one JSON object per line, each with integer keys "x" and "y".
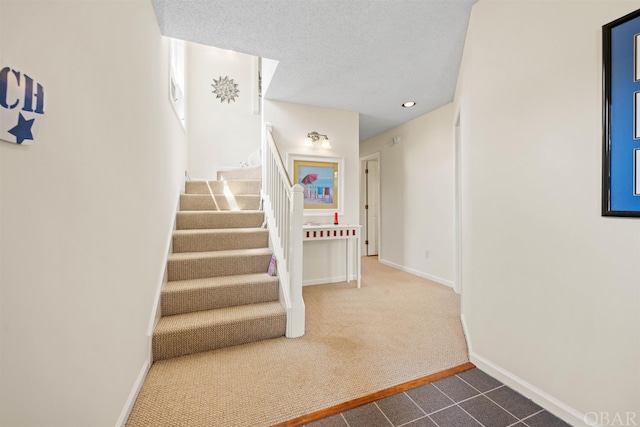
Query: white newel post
{"x": 296, "y": 320}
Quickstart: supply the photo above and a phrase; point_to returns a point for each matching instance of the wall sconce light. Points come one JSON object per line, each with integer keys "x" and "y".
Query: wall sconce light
{"x": 312, "y": 140}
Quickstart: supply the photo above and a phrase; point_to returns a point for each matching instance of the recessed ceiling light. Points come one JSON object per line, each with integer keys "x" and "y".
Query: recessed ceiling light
{"x": 409, "y": 104}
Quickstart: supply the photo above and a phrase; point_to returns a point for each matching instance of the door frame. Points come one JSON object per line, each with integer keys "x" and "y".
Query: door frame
{"x": 457, "y": 158}
{"x": 363, "y": 213}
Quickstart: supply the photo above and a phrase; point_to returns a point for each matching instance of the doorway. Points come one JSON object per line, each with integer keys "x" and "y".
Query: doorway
{"x": 370, "y": 206}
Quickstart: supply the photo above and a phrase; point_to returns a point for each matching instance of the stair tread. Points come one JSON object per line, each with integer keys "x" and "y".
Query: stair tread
{"x": 197, "y": 195}
{"x": 200, "y": 231}
{"x": 220, "y": 281}
{"x": 219, "y": 293}
{"x": 219, "y": 254}
{"x": 228, "y": 182}
{"x": 210, "y": 318}
{"x": 200, "y": 201}
{"x": 225, "y": 180}
{"x": 221, "y": 195}
{"x": 212, "y": 219}
{"x": 213, "y": 211}
{"x": 191, "y": 295}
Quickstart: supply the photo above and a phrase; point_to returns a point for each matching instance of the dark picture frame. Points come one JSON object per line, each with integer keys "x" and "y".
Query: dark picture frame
{"x": 621, "y": 117}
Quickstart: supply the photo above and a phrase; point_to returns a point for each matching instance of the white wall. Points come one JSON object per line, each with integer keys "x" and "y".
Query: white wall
{"x": 551, "y": 290}
{"x": 323, "y": 261}
{"x": 416, "y": 186}
{"x": 87, "y": 210}
{"x": 269, "y": 67}
{"x": 212, "y": 124}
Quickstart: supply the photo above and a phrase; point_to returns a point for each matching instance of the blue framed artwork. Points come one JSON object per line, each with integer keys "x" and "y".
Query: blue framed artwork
{"x": 621, "y": 117}
{"x": 321, "y": 179}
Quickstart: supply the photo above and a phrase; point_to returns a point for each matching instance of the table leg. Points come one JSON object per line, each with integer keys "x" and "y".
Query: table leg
{"x": 348, "y": 256}
{"x": 358, "y": 260}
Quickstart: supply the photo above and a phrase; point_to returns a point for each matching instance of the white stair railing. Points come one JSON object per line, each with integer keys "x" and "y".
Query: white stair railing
{"x": 283, "y": 207}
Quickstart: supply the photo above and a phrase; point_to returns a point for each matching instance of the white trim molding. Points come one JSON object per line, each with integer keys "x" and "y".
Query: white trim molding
{"x": 465, "y": 331}
{"x": 548, "y": 402}
{"x": 427, "y": 276}
{"x": 131, "y": 400}
{"x": 327, "y": 280}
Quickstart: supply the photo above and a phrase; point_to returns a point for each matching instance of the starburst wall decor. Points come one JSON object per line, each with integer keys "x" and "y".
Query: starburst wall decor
{"x": 225, "y": 89}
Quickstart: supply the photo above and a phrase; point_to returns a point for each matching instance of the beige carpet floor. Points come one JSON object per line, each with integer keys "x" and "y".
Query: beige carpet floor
{"x": 398, "y": 327}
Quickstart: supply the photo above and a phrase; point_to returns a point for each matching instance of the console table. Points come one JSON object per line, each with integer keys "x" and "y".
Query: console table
{"x": 350, "y": 233}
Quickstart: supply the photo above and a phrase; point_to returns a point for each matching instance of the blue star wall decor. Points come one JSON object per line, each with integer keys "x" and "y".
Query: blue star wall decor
{"x": 21, "y": 106}
{"x": 22, "y": 130}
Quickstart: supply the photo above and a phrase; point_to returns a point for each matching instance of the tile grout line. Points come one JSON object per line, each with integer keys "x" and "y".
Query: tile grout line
{"x": 412, "y": 421}
{"x": 507, "y": 411}
{"x": 414, "y": 402}
{"x": 445, "y": 394}
{"x": 532, "y": 415}
{"x": 425, "y": 412}
{"x": 433, "y": 421}
{"x": 345, "y": 420}
{"x": 500, "y": 406}
{"x": 473, "y": 397}
{"x": 383, "y": 414}
{"x": 477, "y": 389}
{"x": 456, "y": 403}
{"x": 418, "y": 406}
{"x": 474, "y": 418}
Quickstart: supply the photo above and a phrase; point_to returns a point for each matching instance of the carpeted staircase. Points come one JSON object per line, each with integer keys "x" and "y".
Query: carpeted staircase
{"x": 219, "y": 293}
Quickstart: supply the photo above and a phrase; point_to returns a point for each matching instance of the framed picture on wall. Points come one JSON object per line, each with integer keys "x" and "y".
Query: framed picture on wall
{"x": 621, "y": 117}
{"x": 321, "y": 178}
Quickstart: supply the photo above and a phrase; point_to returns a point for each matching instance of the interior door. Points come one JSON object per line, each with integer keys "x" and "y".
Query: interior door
{"x": 372, "y": 206}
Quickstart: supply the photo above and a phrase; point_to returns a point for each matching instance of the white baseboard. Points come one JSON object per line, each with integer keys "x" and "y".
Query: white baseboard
{"x": 326, "y": 280}
{"x": 436, "y": 279}
{"x": 551, "y": 404}
{"x": 465, "y": 331}
{"x": 131, "y": 400}
{"x": 162, "y": 281}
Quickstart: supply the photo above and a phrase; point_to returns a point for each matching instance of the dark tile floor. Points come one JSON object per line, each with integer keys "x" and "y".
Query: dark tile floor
{"x": 469, "y": 399}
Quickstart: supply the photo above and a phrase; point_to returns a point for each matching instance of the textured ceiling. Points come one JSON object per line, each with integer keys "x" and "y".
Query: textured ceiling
{"x": 367, "y": 56}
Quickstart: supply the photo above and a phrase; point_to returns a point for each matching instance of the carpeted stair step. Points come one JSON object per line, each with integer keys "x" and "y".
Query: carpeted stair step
{"x": 184, "y": 334}
{"x": 219, "y": 240}
{"x": 186, "y": 296}
{"x": 237, "y": 174}
{"x": 219, "y": 293}
{"x": 195, "y": 265}
{"x": 188, "y": 220}
{"x": 223, "y": 187}
{"x": 203, "y": 202}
